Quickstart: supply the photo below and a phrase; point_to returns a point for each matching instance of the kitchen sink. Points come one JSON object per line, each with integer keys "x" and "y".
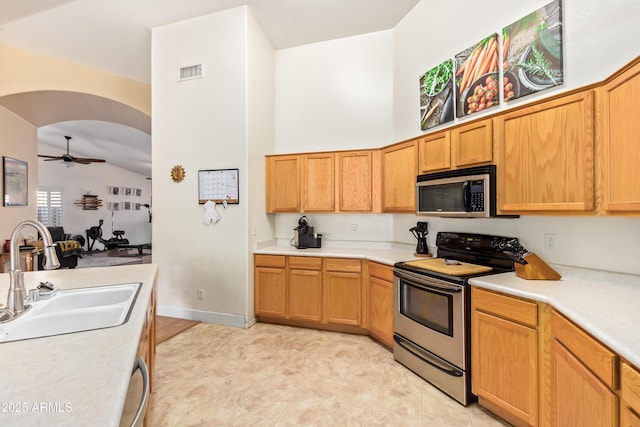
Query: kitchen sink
{"x": 73, "y": 310}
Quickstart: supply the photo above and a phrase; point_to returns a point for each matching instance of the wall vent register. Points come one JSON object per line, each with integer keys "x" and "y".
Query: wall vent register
{"x": 190, "y": 72}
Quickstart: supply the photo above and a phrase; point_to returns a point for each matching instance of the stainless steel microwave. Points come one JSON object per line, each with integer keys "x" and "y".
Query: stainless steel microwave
{"x": 461, "y": 193}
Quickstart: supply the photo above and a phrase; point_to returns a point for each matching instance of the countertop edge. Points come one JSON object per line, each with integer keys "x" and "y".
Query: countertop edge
{"x": 382, "y": 256}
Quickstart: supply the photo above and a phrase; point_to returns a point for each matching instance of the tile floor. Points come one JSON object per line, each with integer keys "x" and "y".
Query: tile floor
{"x": 272, "y": 375}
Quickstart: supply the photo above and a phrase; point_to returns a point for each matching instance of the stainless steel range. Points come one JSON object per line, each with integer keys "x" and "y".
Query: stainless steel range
{"x": 432, "y": 308}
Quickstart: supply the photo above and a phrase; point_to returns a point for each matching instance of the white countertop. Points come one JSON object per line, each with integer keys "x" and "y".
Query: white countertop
{"x": 383, "y": 256}
{"x": 603, "y": 303}
{"x": 78, "y": 379}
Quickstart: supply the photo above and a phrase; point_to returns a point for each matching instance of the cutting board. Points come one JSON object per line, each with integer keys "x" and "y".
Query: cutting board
{"x": 438, "y": 264}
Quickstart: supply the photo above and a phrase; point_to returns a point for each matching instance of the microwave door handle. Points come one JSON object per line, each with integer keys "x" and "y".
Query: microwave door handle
{"x": 466, "y": 196}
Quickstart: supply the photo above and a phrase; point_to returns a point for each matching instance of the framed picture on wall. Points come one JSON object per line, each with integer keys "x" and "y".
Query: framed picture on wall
{"x": 15, "y": 182}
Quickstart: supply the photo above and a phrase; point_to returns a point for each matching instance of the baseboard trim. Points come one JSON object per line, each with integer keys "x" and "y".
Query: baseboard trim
{"x": 206, "y": 316}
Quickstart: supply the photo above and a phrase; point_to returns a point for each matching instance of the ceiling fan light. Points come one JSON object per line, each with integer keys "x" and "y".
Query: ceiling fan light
{"x": 67, "y": 164}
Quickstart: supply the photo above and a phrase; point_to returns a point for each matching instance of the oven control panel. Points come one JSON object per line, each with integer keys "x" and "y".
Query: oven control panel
{"x": 474, "y": 242}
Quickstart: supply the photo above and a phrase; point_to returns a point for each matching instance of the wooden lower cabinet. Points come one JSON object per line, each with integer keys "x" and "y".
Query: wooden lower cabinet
{"x": 583, "y": 377}
{"x": 380, "y": 304}
{"x": 629, "y": 418}
{"x": 629, "y": 396}
{"x": 578, "y": 397}
{"x": 305, "y": 288}
{"x": 504, "y": 343}
{"x": 534, "y": 367}
{"x": 325, "y": 293}
{"x": 343, "y": 291}
{"x": 270, "y": 286}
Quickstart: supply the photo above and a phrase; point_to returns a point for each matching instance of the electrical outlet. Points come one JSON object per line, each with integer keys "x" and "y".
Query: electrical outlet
{"x": 354, "y": 228}
{"x": 200, "y": 293}
{"x": 549, "y": 242}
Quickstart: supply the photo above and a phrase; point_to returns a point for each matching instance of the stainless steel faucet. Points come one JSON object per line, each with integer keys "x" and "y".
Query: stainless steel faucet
{"x": 17, "y": 292}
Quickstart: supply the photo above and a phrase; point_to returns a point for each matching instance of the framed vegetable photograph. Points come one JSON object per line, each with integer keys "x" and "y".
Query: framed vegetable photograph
{"x": 532, "y": 52}
{"x": 477, "y": 77}
{"x": 15, "y": 182}
{"x": 436, "y": 96}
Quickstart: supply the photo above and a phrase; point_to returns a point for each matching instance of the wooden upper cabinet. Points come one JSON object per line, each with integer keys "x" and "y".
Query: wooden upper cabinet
{"x": 621, "y": 141}
{"x": 435, "y": 152}
{"x": 355, "y": 184}
{"x": 472, "y": 144}
{"x": 399, "y": 171}
{"x": 318, "y": 182}
{"x": 283, "y": 183}
{"x": 545, "y": 156}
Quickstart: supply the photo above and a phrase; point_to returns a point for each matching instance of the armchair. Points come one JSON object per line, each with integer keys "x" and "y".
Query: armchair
{"x": 68, "y": 248}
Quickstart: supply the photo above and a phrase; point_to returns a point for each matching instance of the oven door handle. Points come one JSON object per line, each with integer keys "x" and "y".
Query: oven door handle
{"x": 433, "y": 285}
{"x": 422, "y": 355}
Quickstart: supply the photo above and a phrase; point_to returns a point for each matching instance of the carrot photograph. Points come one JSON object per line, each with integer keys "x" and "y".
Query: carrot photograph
{"x": 476, "y": 77}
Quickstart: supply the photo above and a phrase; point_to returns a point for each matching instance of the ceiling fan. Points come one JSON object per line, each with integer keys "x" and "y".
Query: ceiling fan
{"x": 68, "y": 158}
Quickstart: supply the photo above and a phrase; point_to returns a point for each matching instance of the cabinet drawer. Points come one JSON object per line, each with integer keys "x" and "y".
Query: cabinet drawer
{"x": 381, "y": 271}
{"x": 305, "y": 262}
{"x": 270, "y": 261}
{"x": 599, "y": 359}
{"x": 630, "y": 386}
{"x": 517, "y": 310}
{"x": 343, "y": 264}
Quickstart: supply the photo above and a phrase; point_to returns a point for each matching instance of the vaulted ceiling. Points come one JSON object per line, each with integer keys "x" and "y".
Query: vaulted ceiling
{"x": 115, "y": 36}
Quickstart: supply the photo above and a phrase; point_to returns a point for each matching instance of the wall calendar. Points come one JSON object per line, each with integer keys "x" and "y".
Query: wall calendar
{"x": 218, "y": 185}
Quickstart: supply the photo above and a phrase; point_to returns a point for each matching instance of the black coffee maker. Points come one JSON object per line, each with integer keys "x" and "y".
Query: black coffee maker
{"x": 420, "y": 232}
{"x": 304, "y": 236}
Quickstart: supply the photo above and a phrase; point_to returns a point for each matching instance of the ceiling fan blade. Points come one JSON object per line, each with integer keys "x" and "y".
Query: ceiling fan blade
{"x": 86, "y": 160}
{"x": 68, "y": 158}
{"x": 53, "y": 159}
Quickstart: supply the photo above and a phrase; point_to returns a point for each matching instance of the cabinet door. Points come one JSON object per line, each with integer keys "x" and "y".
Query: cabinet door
{"x": 305, "y": 295}
{"x": 283, "y": 183}
{"x": 505, "y": 366}
{"x": 621, "y": 151}
{"x": 435, "y": 152}
{"x": 472, "y": 144}
{"x": 630, "y": 394}
{"x": 343, "y": 298}
{"x": 381, "y": 310}
{"x": 628, "y": 418}
{"x": 578, "y": 397}
{"x": 399, "y": 171}
{"x": 355, "y": 187}
{"x": 545, "y": 156}
{"x": 269, "y": 292}
{"x": 318, "y": 182}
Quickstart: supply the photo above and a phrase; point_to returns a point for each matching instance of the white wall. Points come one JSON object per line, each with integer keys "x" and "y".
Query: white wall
{"x": 203, "y": 124}
{"x": 19, "y": 139}
{"x": 260, "y": 142}
{"x": 335, "y": 95}
{"x": 96, "y": 179}
{"x": 598, "y": 39}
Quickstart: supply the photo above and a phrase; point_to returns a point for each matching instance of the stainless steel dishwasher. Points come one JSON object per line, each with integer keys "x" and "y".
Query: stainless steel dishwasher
{"x": 135, "y": 405}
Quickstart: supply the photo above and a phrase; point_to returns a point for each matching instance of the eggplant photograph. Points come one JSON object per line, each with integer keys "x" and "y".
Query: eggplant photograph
{"x": 532, "y": 52}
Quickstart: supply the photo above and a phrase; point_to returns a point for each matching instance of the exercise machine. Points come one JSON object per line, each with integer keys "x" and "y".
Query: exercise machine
{"x": 95, "y": 234}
